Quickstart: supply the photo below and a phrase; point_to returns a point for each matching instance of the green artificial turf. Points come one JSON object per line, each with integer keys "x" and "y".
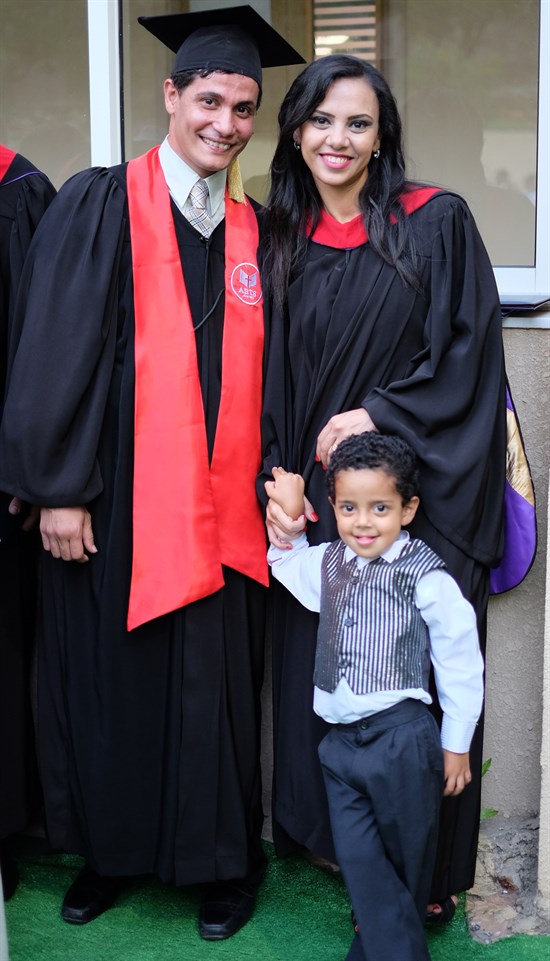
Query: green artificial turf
{"x": 302, "y": 914}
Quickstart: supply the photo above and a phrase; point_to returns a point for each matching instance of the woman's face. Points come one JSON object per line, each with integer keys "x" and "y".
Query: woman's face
{"x": 340, "y": 137}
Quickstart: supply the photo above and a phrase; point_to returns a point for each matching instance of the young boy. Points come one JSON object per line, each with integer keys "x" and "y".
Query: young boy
{"x": 387, "y": 608}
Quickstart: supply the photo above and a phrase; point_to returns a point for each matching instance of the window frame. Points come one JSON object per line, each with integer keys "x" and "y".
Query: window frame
{"x": 514, "y": 281}
{"x": 104, "y": 55}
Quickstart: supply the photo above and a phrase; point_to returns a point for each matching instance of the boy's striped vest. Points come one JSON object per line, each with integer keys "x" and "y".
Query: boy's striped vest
{"x": 370, "y": 630}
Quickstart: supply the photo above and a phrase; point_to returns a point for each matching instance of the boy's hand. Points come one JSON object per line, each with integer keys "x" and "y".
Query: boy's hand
{"x": 457, "y": 773}
{"x": 287, "y": 490}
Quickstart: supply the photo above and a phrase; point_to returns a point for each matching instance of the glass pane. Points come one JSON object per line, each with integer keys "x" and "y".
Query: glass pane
{"x": 147, "y": 64}
{"x": 344, "y": 27}
{"x": 466, "y": 76}
{"x": 45, "y": 104}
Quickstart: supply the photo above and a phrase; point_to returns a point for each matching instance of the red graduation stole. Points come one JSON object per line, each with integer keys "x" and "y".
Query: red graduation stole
{"x": 190, "y": 517}
{"x": 6, "y": 160}
{"x": 330, "y": 233}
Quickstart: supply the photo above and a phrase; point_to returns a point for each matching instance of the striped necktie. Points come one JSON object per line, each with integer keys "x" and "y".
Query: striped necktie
{"x": 197, "y": 214}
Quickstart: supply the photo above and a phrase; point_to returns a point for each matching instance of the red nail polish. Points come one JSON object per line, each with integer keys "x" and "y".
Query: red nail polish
{"x": 317, "y": 459}
{"x": 314, "y": 517}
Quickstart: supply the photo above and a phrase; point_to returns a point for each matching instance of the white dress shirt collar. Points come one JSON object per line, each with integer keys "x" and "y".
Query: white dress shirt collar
{"x": 181, "y": 179}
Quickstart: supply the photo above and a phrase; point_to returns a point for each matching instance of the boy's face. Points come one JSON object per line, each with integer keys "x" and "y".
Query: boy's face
{"x": 369, "y": 511}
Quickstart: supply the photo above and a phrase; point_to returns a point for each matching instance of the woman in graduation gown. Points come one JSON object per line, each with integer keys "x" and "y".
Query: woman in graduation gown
{"x": 25, "y": 194}
{"x": 384, "y": 316}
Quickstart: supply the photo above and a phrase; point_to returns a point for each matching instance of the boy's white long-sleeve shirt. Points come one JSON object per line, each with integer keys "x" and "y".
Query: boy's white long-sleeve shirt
{"x": 454, "y": 645}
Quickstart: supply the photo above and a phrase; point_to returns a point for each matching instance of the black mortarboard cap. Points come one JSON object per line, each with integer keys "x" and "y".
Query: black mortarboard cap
{"x": 232, "y": 39}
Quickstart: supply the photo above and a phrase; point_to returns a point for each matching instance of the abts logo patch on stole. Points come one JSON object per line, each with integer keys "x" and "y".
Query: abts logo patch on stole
{"x": 245, "y": 283}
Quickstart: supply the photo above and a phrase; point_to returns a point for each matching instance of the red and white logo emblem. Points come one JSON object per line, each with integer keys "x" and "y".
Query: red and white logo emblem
{"x": 245, "y": 283}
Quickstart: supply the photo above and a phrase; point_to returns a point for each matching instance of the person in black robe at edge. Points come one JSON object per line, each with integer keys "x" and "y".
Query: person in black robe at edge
{"x": 385, "y": 316}
{"x": 135, "y": 396}
{"x": 25, "y": 194}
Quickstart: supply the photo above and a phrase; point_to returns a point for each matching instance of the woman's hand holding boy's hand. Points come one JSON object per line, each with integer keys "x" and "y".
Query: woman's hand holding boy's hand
{"x": 457, "y": 773}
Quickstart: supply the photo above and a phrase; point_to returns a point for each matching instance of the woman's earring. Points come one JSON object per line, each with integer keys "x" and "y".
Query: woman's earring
{"x": 376, "y": 154}
{"x": 296, "y": 144}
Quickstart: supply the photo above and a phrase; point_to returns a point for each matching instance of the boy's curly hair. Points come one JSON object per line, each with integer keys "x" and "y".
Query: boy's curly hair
{"x": 377, "y": 452}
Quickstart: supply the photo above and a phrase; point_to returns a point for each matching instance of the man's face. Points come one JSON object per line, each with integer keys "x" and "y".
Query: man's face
{"x": 212, "y": 120}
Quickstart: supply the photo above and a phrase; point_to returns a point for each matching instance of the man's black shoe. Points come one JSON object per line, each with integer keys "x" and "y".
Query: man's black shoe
{"x": 89, "y": 895}
{"x": 227, "y": 907}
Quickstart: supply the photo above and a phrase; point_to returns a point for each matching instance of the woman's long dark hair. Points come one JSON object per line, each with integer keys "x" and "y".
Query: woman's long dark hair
{"x": 293, "y": 197}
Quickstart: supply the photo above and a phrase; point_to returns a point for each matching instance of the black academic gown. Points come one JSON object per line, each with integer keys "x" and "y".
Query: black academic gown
{"x": 427, "y": 366}
{"x": 149, "y": 740}
{"x": 25, "y": 193}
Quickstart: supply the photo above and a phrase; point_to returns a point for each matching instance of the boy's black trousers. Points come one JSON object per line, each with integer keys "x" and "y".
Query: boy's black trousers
{"x": 384, "y": 781}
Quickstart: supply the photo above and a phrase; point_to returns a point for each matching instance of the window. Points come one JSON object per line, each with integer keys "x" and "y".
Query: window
{"x": 468, "y": 98}
{"x": 341, "y": 27}
{"x": 472, "y": 79}
{"x": 44, "y": 84}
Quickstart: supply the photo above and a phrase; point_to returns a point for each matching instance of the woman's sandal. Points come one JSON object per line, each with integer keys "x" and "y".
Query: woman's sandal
{"x": 433, "y": 918}
{"x": 444, "y": 915}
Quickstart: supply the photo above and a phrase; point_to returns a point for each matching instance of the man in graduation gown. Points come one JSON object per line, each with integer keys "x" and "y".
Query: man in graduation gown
{"x": 133, "y": 406}
{"x": 25, "y": 194}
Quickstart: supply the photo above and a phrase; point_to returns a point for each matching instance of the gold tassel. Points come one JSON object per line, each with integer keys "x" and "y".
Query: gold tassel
{"x": 235, "y": 187}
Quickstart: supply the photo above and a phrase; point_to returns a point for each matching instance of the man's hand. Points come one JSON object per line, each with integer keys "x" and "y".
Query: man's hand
{"x": 457, "y": 773}
{"x": 67, "y": 533}
{"x": 338, "y": 428}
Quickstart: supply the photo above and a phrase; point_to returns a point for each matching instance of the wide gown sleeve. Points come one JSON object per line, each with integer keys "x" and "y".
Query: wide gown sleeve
{"x": 450, "y": 405}
{"x": 277, "y": 400}
{"x": 277, "y": 403}
{"x": 66, "y": 323}
{"x": 34, "y": 196}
